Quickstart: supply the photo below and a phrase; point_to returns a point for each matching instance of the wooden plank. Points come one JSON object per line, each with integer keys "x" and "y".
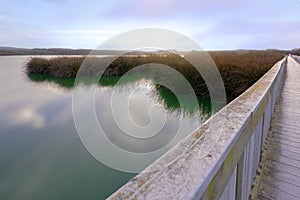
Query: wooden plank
{"x": 257, "y": 147}
{"x": 284, "y": 159}
{"x": 287, "y": 137}
{"x": 294, "y": 144}
{"x": 266, "y": 122}
{"x": 285, "y": 146}
{"x": 283, "y": 123}
{"x": 283, "y": 176}
{"x": 286, "y": 153}
{"x": 230, "y": 190}
{"x": 270, "y": 193}
{"x": 241, "y": 176}
{"x": 287, "y": 133}
{"x": 282, "y": 167}
{"x": 282, "y": 185}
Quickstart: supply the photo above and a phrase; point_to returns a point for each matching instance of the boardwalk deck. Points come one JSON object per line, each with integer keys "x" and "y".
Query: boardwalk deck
{"x": 281, "y": 169}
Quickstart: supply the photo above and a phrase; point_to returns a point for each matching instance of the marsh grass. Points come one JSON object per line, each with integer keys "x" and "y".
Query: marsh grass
{"x": 239, "y": 69}
{"x": 59, "y": 67}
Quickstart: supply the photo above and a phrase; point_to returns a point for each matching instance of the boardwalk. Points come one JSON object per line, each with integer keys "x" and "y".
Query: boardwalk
{"x": 281, "y": 169}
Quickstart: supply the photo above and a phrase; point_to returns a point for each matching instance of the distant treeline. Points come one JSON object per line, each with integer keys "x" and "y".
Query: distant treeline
{"x": 295, "y": 52}
{"x": 239, "y": 69}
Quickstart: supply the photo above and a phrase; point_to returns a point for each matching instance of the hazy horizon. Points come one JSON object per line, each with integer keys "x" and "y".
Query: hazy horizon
{"x": 70, "y": 48}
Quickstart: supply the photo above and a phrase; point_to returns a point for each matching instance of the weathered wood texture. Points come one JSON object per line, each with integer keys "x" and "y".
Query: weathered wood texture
{"x": 228, "y": 169}
{"x": 280, "y": 167}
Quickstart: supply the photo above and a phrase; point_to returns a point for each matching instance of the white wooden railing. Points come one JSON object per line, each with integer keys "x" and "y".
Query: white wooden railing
{"x": 228, "y": 170}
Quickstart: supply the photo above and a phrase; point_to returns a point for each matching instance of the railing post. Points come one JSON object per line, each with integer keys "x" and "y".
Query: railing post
{"x": 230, "y": 190}
{"x": 240, "y": 188}
{"x": 248, "y": 163}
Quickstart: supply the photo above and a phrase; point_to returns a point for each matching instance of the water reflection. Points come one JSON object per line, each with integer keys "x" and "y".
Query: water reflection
{"x": 135, "y": 114}
{"x": 41, "y": 155}
{"x": 158, "y": 93}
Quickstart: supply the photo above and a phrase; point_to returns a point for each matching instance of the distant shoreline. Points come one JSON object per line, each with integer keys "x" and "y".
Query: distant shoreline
{"x": 14, "y": 51}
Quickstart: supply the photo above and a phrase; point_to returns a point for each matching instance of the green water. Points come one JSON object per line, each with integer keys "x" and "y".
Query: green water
{"x": 41, "y": 155}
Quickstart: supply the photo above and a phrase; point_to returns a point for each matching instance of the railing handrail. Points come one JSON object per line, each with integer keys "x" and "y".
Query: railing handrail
{"x": 191, "y": 176}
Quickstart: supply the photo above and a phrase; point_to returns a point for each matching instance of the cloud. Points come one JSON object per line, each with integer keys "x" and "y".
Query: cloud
{"x": 170, "y": 9}
{"x": 30, "y": 116}
{"x": 237, "y": 33}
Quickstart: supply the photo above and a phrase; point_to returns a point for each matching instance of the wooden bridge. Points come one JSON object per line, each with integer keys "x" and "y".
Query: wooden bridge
{"x": 256, "y": 155}
{"x": 280, "y": 165}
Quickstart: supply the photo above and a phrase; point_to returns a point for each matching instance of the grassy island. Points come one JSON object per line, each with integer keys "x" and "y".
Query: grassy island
{"x": 239, "y": 69}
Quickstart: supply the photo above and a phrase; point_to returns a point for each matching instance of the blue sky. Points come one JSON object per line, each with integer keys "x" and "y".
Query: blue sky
{"x": 213, "y": 24}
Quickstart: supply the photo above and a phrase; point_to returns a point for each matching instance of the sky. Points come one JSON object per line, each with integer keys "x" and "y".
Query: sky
{"x": 213, "y": 24}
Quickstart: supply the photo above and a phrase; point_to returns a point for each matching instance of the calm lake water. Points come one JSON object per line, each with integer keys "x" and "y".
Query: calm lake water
{"x": 41, "y": 154}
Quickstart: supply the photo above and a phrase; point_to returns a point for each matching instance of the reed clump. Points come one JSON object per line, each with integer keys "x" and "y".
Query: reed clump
{"x": 59, "y": 67}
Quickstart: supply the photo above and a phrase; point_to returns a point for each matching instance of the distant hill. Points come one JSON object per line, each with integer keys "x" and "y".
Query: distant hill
{"x": 10, "y": 51}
